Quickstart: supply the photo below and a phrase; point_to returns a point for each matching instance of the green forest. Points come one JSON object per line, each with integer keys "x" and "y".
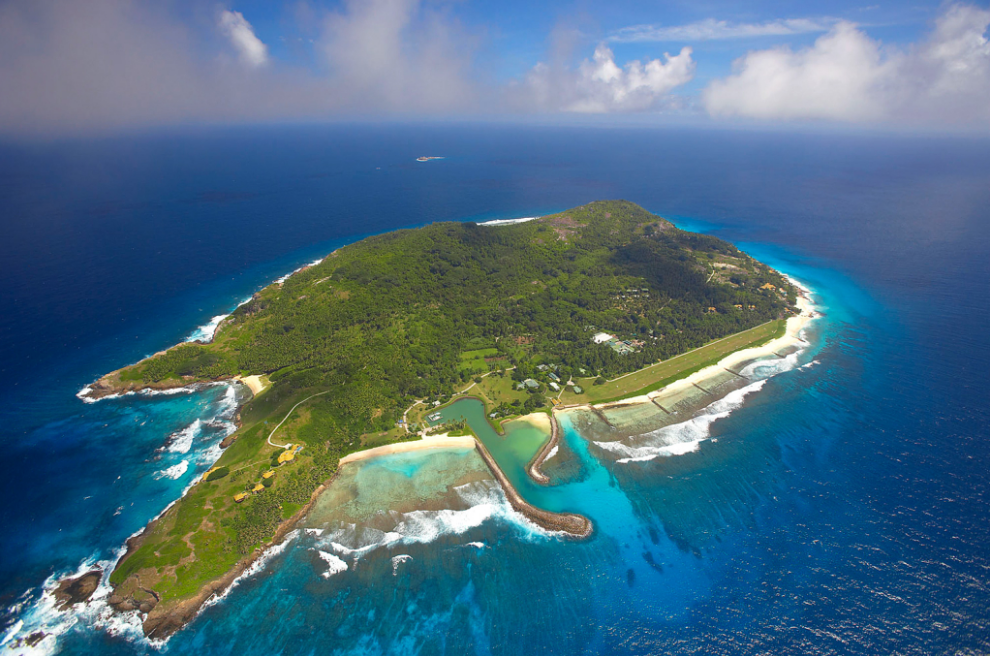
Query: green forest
{"x": 413, "y": 314}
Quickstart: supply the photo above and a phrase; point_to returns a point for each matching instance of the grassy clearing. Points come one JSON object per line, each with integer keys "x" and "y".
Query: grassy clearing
{"x": 664, "y": 373}
{"x": 474, "y": 361}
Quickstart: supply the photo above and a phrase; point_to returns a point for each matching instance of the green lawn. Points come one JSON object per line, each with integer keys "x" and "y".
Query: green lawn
{"x": 664, "y": 373}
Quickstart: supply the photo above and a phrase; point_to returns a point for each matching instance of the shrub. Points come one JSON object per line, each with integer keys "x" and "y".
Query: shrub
{"x": 217, "y": 474}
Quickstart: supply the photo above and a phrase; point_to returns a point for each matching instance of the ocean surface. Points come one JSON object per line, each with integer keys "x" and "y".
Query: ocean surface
{"x": 839, "y": 505}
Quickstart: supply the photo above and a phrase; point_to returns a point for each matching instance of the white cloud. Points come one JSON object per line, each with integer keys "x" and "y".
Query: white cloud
{"x": 711, "y": 29}
{"x": 599, "y": 85}
{"x": 848, "y": 76}
{"x": 249, "y": 47}
{"x": 398, "y": 55}
{"x": 106, "y": 65}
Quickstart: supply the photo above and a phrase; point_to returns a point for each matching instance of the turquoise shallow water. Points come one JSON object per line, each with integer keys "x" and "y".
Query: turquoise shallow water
{"x": 838, "y": 512}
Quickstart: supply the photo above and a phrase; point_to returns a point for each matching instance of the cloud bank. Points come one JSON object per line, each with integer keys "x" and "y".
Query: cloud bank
{"x": 847, "y": 76}
{"x": 106, "y": 65}
{"x": 599, "y": 85}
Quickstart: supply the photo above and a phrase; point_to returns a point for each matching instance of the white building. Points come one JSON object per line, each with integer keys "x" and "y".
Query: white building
{"x": 601, "y": 338}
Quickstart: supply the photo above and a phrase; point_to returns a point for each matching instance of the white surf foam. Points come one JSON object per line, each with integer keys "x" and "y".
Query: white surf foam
{"x": 41, "y": 614}
{"x": 552, "y": 453}
{"x": 398, "y": 560}
{"x": 685, "y": 437}
{"x": 485, "y": 502}
{"x": 334, "y": 564}
{"x": 175, "y": 471}
{"x": 181, "y": 441}
{"x": 282, "y": 279}
{"x": 208, "y": 330}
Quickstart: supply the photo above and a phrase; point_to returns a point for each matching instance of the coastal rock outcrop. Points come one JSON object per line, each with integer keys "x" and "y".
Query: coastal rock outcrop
{"x": 79, "y": 589}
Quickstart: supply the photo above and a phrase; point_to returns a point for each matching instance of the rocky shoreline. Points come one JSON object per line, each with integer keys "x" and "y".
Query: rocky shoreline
{"x": 535, "y": 465}
{"x": 162, "y": 622}
{"x": 575, "y": 525}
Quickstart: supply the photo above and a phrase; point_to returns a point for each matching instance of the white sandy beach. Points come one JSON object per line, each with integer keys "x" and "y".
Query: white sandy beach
{"x": 254, "y": 383}
{"x": 442, "y": 441}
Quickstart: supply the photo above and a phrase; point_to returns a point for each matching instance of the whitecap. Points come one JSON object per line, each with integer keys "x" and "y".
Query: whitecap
{"x": 174, "y": 472}
{"x": 398, "y": 560}
{"x": 44, "y": 616}
{"x": 334, "y": 564}
{"x": 208, "y": 330}
{"x": 181, "y": 441}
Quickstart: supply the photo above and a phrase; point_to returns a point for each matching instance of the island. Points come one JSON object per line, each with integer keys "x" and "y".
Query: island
{"x": 361, "y": 352}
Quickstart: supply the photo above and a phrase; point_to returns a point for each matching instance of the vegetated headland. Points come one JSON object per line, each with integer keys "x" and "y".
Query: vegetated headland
{"x": 356, "y": 352}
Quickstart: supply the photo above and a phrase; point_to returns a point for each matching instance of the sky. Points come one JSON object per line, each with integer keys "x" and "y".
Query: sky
{"x": 98, "y": 66}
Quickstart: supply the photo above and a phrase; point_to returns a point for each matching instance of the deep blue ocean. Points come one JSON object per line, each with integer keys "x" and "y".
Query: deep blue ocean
{"x": 843, "y": 509}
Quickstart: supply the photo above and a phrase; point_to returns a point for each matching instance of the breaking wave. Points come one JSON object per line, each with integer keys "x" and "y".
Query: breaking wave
{"x": 485, "y": 502}
{"x": 175, "y": 471}
{"x": 41, "y": 619}
{"x": 685, "y": 437}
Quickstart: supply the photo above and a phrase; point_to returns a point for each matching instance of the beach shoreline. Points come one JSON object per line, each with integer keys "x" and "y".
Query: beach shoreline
{"x": 791, "y": 337}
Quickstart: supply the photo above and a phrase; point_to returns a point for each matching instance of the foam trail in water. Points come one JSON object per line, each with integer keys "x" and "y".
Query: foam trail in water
{"x": 42, "y": 616}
